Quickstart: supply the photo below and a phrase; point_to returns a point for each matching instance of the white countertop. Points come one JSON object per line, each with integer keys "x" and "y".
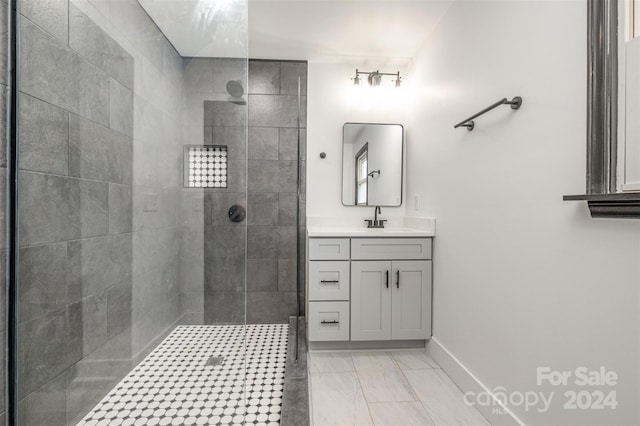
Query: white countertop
{"x": 396, "y": 227}
{"x": 363, "y": 231}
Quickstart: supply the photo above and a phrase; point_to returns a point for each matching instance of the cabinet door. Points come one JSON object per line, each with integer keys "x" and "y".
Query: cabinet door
{"x": 411, "y": 300}
{"x": 371, "y": 300}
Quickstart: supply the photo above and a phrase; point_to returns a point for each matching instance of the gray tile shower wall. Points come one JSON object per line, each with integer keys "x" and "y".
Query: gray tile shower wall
{"x": 272, "y": 188}
{"x": 269, "y": 166}
{"x": 100, "y": 192}
{"x": 213, "y": 261}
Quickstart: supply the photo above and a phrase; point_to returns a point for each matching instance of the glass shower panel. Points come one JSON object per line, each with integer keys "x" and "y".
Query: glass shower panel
{"x": 4, "y": 190}
{"x": 132, "y": 154}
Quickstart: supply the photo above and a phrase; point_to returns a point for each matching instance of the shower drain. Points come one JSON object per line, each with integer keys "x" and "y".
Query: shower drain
{"x": 215, "y": 360}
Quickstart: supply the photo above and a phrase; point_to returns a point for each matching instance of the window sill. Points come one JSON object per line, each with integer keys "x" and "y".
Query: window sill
{"x": 619, "y": 205}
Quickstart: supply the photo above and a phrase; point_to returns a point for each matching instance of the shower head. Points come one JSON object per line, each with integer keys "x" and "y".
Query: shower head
{"x": 234, "y": 88}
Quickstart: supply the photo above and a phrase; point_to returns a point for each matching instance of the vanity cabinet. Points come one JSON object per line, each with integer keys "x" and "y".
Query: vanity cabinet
{"x": 390, "y": 300}
{"x": 328, "y": 289}
{"x": 369, "y": 289}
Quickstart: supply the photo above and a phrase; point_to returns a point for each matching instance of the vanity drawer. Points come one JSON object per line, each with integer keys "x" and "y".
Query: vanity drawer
{"x": 328, "y": 280}
{"x": 328, "y": 249}
{"x": 328, "y": 321}
{"x": 390, "y": 248}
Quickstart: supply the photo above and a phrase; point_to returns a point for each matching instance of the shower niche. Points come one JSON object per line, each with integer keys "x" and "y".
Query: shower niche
{"x": 205, "y": 166}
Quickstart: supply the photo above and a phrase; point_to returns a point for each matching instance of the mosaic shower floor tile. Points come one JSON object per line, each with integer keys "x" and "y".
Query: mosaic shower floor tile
{"x": 203, "y": 375}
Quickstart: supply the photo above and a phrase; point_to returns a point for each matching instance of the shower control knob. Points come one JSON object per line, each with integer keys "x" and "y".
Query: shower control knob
{"x": 237, "y": 213}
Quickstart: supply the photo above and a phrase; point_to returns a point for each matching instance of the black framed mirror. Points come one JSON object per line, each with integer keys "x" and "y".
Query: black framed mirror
{"x": 372, "y": 164}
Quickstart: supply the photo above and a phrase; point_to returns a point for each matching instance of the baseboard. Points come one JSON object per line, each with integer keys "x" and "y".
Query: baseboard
{"x": 355, "y": 345}
{"x": 496, "y": 413}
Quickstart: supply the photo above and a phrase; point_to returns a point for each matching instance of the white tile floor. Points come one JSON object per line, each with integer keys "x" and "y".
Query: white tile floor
{"x": 175, "y": 386}
{"x": 397, "y": 388}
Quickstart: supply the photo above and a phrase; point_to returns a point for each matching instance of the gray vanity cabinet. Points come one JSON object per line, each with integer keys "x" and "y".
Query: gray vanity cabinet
{"x": 390, "y": 300}
{"x": 369, "y": 289}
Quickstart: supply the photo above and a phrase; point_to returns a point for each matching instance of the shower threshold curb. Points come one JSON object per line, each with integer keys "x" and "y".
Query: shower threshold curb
{"x": 295, "y": 398}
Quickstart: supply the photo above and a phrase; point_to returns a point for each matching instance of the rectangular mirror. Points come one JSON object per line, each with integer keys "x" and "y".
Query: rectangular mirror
{"x": 372, "y": 164}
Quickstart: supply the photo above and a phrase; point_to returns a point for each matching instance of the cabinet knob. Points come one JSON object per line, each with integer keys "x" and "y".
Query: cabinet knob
{"x": 398, "y": 278}
{"x": 329, "y": 322}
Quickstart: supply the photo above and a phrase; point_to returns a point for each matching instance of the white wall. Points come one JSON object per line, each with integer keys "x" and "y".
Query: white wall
{"x": 332, "y": 101}
{"x": 522, "y": 279}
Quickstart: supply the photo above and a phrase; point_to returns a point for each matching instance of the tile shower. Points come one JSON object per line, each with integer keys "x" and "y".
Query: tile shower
{"x": 270, "y": 161}
{"x": 115, "y": 251}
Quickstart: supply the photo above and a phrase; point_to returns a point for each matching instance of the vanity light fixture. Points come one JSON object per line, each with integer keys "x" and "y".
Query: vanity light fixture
{"x": 374, "y": 78}
{"x": 397, "y": 80}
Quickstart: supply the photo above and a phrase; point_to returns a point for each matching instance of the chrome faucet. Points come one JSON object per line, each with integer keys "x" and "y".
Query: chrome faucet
{"x": 375, "y": 223}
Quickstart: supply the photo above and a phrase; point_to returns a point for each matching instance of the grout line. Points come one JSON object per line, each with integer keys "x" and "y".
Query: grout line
{"x": 68, "y": 24}
{"x": 424, "y": 406}
{"x": 404, "y": 377}
{"x": 361, "y": 388}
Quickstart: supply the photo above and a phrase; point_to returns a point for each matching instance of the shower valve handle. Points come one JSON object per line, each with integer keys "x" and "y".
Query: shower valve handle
{"x": 237, "y": 213}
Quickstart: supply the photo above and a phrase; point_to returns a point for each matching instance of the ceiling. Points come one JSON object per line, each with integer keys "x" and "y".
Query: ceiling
{"x": 207, "y": 28}
{"x": 309, "y": 29}
{"x": 297, "y": 29}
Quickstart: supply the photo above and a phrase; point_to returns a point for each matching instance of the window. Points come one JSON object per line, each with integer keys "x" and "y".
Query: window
{"x": 613, "y": 109}
{"x": 362, "y": 175}
{"x": 628, "y": 172}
